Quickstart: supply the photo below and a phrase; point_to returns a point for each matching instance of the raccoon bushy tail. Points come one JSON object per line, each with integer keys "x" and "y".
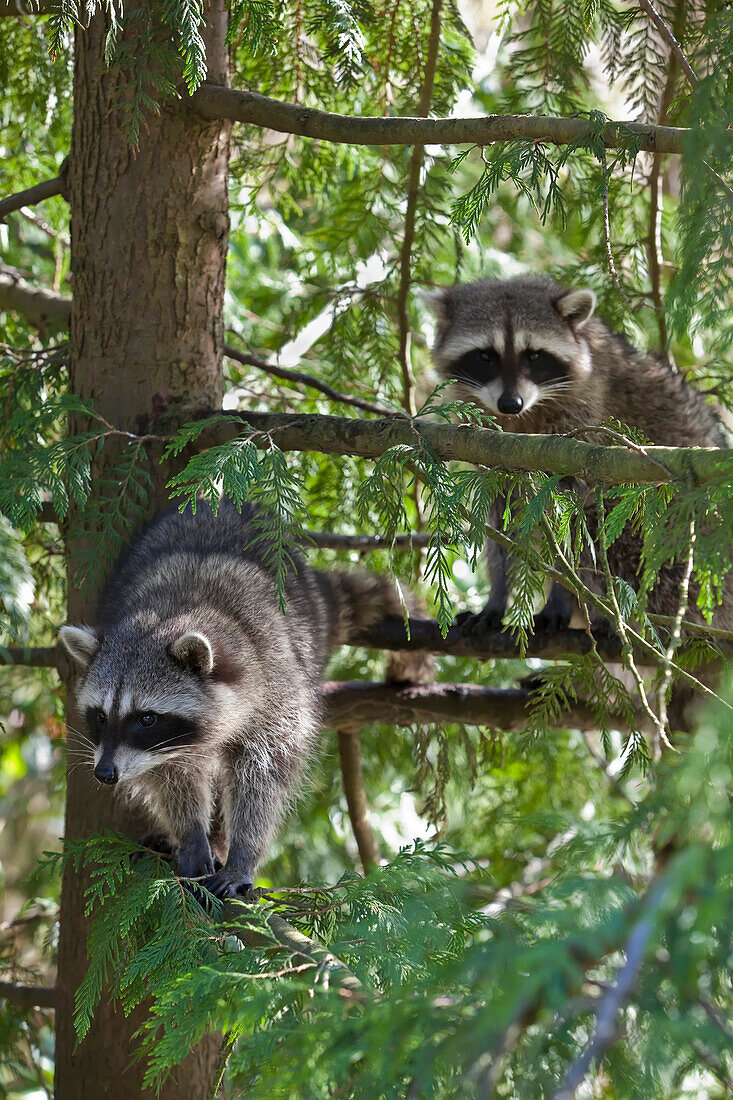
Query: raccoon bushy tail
{"x": 359, "y": 600}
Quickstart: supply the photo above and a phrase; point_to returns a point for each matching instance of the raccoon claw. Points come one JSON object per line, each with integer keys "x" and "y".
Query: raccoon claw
{"x": 229, "y": 884}
{"x": 472, "y": 623}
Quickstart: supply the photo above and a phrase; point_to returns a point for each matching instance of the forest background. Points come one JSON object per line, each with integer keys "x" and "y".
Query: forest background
{"x": 552, "y": 913}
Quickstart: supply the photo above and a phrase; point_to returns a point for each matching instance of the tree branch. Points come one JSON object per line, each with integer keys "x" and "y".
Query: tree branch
{"x": 364, "y": 543}
{"x": 44, "y": 309}
{"x": 306, "y": 380}
{"x": 28, "y": 996}
{"x": 610, "y": 1005}
{"x": 35, "y": 194}
{"x": 669, "y": 38}
{"x": 353, "y": 778}
{"x": 478, "y": 446}
{"x": 214, "y": 101}
{"x": 413, "y": 190}
{"x": 359, "y": 704}
{"x": 425, "y": 636}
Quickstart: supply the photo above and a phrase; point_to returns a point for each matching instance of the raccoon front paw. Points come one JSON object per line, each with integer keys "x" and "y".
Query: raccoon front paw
{"x": 476, "y": 623}
{"x": 229, "y": 883}
{"x": 195, "y": 862}
{"x": 552, "y": 619}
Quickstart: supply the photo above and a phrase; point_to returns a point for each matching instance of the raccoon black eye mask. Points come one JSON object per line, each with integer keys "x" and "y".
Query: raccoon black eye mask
{"x": 200, "y": 695}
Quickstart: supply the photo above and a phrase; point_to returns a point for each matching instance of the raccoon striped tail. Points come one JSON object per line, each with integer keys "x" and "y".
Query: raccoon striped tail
{"x": 359, "y": 600}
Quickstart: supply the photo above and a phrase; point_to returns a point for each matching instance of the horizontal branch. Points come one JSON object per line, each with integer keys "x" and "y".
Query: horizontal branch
{"x": 42, "y": 308}
{"x": 214, "y": 101}
{"x": 478, "y": 446}
{"x": 32, "y": 656}
{"x": 352, "y": 705}
{"x": 390, "y": 634}
{"x": 425, "y": 636}
{"x": 325, "y": 540}
{"x": 35, "y": 194}
{"x": 28, "y": 996}
{"x": 462, "y": 442}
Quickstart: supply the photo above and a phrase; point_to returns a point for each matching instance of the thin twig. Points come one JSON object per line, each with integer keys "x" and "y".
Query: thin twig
{"x": 353, "y": 778}
{"x": 413, "y": 191}
{"x": 250, "y": 360}
{"x": 669, "y": 38}
{"x": 607, "y": 237}
{"x": 676, "y": 633}
{"x": 611, "y": 1002}
{"x": 621, "y": 626}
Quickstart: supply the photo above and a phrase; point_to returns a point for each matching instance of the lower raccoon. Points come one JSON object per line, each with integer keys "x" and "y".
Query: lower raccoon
{"x": 531, "y": 353}
{"x": 200, "y": 695}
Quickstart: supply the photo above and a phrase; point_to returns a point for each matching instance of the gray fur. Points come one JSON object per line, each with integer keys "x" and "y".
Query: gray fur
{"x": 190, "y": 631}
{"x": 602, "y": 376}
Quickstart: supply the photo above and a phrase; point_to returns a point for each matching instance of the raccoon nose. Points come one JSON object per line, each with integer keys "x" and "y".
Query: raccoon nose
{"x": 106, "y": 773}
{"x": 510, "y": 403}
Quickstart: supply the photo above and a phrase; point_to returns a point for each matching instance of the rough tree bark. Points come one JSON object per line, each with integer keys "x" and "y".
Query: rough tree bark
{"x": 149, "y": 235}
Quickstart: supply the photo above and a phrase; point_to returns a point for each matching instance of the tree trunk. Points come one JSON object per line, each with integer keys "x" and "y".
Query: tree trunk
{"x": 149, "y": 236}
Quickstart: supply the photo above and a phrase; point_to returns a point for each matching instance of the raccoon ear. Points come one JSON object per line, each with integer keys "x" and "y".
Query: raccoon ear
{"x": 576, "y": 307}
{"x": 438, "y": 301}
{"x": 194, "y": 652}
{"x": 81, "y": 642}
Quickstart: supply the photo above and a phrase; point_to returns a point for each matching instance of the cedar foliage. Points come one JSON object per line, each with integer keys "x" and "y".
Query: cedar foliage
{"x": 482, "y": 974}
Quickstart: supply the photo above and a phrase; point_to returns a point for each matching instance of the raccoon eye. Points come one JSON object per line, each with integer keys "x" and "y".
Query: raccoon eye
{"x": 533, "y": 356}
{"x": 101, "y": 717}
{"x": 148, "y": 719}
{"x": 485, "y": 355}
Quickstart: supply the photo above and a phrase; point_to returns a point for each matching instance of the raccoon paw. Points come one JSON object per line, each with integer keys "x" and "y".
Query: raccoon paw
{"x": 229, "y": 883}
{"x": 473, "y": 624}
{"x": 552, "y": 619}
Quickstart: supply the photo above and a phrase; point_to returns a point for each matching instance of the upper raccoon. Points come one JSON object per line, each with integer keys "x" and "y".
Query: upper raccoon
{"x": 532, "y": 354}
{"x": 200, "y": 693}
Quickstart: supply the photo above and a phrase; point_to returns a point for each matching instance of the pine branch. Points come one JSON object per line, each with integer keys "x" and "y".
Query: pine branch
{"x": 214, "y": 101}
{"x": 28, "y": 996}
{"x": 290, "y": 939}
{"x": 35, "y": 194}
{"x": 356, "y": 800}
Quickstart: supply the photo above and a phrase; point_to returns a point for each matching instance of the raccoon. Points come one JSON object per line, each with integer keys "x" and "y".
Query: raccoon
{"x": 533, "y": 354}
{"x": 200, "y": 694}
